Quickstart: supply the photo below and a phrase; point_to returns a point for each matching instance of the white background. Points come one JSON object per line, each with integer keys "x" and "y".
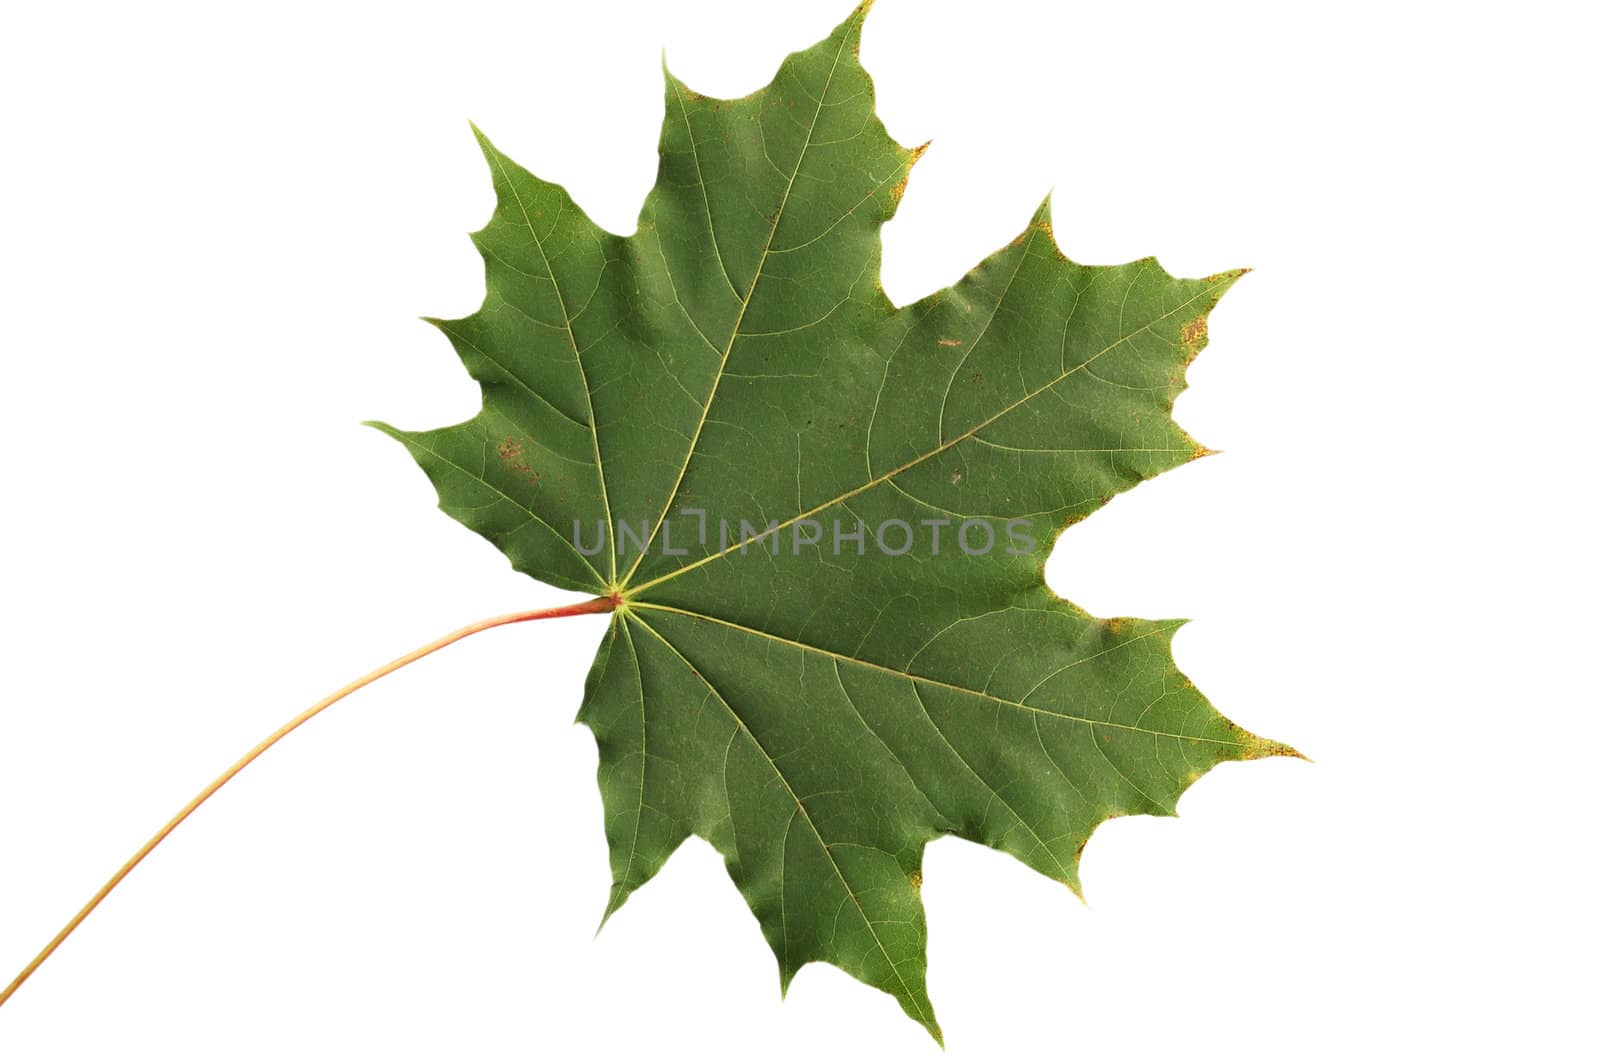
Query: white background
{"x": 219, "y": 226}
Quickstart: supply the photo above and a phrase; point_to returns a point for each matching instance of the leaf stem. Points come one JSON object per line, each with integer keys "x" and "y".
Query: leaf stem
{"x": 599, "y": 605}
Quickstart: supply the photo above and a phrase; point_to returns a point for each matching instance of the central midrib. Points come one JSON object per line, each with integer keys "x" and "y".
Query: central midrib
{"x": 914, "y": 462}
{"x": 744, "y": 306}
{"x": 918, "y": 678}
{"x": 914, "y": 999}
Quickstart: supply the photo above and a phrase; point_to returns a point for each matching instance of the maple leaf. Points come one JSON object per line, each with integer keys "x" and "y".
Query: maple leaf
{"x": 797, "y": 670}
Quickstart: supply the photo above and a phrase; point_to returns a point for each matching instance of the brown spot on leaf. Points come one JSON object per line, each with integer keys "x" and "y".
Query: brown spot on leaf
{"x": 1259, "y": 748}
{"x": 945, "y": 341}
{"x": 899, "y": 189}
{"x": 511, "y": 452}
{"x": 1191, "y": 338}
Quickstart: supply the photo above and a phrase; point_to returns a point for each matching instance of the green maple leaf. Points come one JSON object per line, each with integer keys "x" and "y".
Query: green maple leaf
{"x": 820, "y": 714}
